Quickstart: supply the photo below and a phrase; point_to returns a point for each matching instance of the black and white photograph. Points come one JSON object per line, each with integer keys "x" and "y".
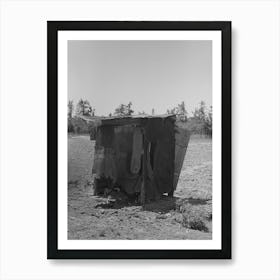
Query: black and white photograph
{"x": 139, "y": 116}
{"x": 140, "y": 139}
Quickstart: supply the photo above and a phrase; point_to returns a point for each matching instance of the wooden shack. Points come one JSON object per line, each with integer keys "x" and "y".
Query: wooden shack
{"x": 140, "y": 155}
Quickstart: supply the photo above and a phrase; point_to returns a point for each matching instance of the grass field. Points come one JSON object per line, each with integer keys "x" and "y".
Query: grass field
{"x": 186, "y": 216}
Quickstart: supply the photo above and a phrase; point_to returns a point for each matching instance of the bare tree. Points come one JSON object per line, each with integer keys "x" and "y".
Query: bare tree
{"x": 208, "y": 122}
{"x": 200, "y": 112}
{"x": 84, "y": 108}
{"x": 124, "y": 110}
{"x": 70, "y": 109}
{"x": 180, "y": 111}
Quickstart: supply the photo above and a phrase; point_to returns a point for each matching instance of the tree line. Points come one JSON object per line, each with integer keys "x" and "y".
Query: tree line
{"x": 198, "y": 121}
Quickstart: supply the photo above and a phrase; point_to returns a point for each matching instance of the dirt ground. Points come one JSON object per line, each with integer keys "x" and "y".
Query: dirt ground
{"x": 188, "y": 215}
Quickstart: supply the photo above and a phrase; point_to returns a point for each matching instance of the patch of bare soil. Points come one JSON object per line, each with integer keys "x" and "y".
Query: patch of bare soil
{"x": 188, "y": 215}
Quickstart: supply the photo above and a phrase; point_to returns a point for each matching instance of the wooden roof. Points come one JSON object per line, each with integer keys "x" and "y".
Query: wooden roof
{"x": 124, "y": 120}
{"x": 134, "y": 119}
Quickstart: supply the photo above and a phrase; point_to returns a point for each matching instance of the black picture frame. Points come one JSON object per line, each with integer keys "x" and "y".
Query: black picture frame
{"x": 52, "y": 88}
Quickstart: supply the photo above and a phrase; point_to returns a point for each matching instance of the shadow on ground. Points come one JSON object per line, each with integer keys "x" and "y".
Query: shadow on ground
{"x": 164, "y": 205}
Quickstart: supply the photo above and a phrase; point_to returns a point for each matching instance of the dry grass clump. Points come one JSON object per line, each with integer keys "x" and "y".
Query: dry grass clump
{"x": 194, "y": 216}
{"x": 195, "y": 222}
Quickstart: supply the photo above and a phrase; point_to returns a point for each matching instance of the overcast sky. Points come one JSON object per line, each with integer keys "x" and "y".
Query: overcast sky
{"x": 150, "y": 74}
